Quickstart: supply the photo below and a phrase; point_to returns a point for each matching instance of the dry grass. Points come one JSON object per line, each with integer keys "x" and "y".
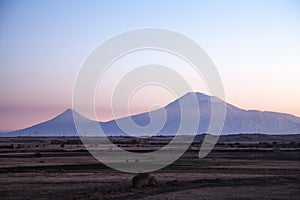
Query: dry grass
{"x": 71, "y": 173}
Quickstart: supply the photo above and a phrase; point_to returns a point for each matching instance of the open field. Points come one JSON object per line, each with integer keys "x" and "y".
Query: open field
{"x": 61, "y": 168}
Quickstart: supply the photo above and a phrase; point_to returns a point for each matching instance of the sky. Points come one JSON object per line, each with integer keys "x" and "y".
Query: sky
{"x": 254, "y": 44}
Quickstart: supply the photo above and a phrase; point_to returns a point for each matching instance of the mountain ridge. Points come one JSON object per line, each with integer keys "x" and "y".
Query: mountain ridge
{"x": 237, "y": 121}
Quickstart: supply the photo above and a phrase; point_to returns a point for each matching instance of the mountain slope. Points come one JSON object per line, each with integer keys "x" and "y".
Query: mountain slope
{"x": 61, "y": 125}
{"x": 237, "y": 121}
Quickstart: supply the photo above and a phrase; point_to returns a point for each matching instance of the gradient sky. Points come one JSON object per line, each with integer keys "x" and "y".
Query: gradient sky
{"x": 255, "y": 46}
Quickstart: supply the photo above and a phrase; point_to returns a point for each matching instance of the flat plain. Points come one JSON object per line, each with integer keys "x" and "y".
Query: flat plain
{"x": 239, "y": 167}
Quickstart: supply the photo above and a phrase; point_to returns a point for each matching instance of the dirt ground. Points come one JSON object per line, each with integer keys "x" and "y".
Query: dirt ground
{"x": 70, "y": 172}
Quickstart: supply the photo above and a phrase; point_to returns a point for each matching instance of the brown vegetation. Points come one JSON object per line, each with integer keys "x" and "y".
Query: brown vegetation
{"x": 38, "y": 169}
{"x": 143, "y": 180}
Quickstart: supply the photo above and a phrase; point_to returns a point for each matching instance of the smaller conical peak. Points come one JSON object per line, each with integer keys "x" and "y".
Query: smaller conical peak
{"x": 67, "y": 111}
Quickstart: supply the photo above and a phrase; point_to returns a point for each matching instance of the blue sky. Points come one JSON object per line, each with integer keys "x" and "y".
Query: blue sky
{"x": 255, "y": 46}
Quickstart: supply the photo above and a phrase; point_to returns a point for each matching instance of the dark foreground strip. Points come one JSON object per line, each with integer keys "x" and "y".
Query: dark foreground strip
{"x": 173, "y": 186}
{"x": 55, "y": 168}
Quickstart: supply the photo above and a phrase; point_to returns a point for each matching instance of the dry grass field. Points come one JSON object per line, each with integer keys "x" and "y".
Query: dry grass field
{"x": 60, "y": 168}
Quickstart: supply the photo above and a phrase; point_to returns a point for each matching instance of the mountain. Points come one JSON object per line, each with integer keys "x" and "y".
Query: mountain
{"x": 237, "y": 120}
{"x": 61, "y": 125}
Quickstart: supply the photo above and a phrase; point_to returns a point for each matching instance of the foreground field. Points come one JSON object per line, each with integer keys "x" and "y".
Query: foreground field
{"x": 38, "y": 169}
